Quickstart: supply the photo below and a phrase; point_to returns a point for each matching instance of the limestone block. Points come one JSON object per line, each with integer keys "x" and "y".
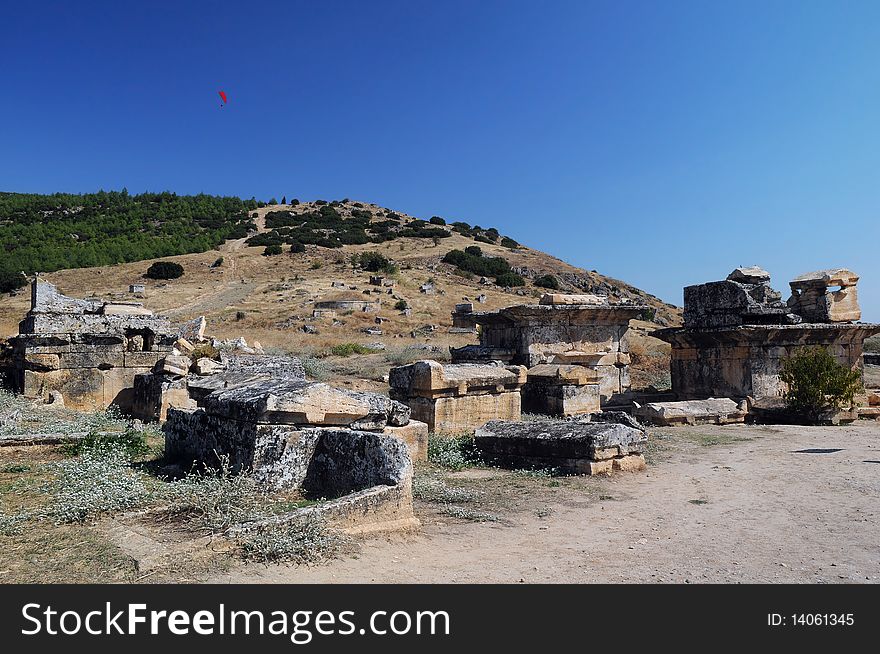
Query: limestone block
{"x": 432, "y": 379}
{"x": 465, "y": 413}
{"x": 42, "y": 362}
{"x": 630, "y": 463}
{"x": 563, "y": 299}
{"x": 298, "y": 402}
{"x": 415, "y": 435}
{"x": 207, "y": 366}
{"x": 718, "y": 411}
{"x": 184, "y": 346}
{"x": 566, "y": 446}
{"x": 125, "y": 309}
{"x": 749, "y": 275}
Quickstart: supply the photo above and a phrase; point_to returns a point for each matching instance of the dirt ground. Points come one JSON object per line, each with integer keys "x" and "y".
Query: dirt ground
{"x": 718, "y": 504}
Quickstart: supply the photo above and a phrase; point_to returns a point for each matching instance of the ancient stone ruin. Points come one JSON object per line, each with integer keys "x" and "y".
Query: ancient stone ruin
{"x": 329, "y": 443}
{"x": 458, "y": 397}
{"x": 586, "y": 331}
{"x": 565, "y": 446}
{"x": 737, "y": 332}
{"x": 87, "y": 350}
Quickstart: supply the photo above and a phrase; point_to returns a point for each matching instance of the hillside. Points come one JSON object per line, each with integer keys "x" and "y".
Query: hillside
{"x": 271, "y": 298}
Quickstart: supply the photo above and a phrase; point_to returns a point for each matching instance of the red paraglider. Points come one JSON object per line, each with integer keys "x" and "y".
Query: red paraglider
{"x": 222, "y": 96}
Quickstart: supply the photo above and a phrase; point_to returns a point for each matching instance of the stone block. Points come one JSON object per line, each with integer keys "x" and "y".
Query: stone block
{"x": 415, "y": 435}
{"x": 716, "y": 411}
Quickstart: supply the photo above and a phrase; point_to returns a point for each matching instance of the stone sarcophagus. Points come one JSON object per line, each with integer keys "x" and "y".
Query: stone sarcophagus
{"x": 335, "y": 446}
{"x": 735, "y": 348}
{"x": 583, "y": 330}
{"x": 88, "y": 350}
{"x": 458, "y": 397}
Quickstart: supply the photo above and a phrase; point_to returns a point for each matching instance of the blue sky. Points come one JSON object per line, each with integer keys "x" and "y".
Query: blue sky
{"x": 663, "y": 143}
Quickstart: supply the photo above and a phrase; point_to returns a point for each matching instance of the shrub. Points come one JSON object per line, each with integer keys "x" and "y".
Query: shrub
{"x": 437, "y": 220}
{"x": 474, "y": 250}
{"x": 297, "y": 248}
{"x": 373, "y": 262}
{"x": 347, "y": 349}
{"x": 509, "y": 243}
{"x": 217, "y": 263}
{"x": 483, "y": 239}
{"x": 272, "y": 250}
{"x": 479, "y": 265}
{"x": 547, "y": 281}
{"x": 510, "y": 279}
{"x": 132, "y": 443}
{"x": 401, "y": 305}
{"x": 817, "y": 383}
{"x": 316, "y": 265}
{"x": 454, "y": 452}
{"x": 165, "y": 270}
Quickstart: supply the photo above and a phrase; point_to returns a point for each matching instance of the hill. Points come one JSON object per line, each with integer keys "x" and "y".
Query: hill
{"x": 271, "y": 298}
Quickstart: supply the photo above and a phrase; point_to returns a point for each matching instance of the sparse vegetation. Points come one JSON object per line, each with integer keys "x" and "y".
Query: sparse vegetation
{"x": 454, "y": 452}
{"x": 401, "y": 305}
{"x": 348, "y": 349}
{"x": 303, "y": 541}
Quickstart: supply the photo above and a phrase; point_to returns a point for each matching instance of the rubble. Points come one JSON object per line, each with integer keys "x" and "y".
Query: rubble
{"x": 458, "y": 397}
{"x": 566, "y": 447}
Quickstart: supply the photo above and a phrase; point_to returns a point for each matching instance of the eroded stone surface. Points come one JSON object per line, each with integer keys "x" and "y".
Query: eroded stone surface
{"x": 569, "y": 447}
{"x": 716, "y": 411}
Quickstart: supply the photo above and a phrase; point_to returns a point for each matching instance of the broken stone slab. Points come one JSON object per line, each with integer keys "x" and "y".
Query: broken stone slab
{"x": 173, "y": 365}
{"x": 567, "y": 447}
{"x": 749, "y": 275}
{"x": 716, "y": 411}
{"x": 207, "y": 366}
{"x": 242, "y": 369}
{"x": 572, "y": 299}
{"x": 812, "y": 297}
{"x": 194, "y": 330}
{"x": 184, "y": 346}
{"x": 299, "y": 402}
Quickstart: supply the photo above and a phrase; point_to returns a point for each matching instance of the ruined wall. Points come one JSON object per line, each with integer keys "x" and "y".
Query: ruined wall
{"x": 737, "y": 332}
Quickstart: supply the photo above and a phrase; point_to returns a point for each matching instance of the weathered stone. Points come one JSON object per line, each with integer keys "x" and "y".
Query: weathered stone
{"x": 242, "y": 369}
{"x": 458, "y": 397}
{"x": 154, "y": 394}
{"x": 749, "y": 275}
{"x": 298, "y": 402}
{"x": 593, "y": 334}
{"x": 736, "y": 335}
{"x": 716, "y": 411}
{"x": 561, "y": 390}
{"x": 184, "y": 346}
{"x": 566, "y": 446}
{"x": 207, "y": 366}
{"x": 88, "y": 350}
{"x": 194, "y": 330}
{"x": 560, "y": 298}
{"x": 415, "y": 435}
{"x": 173, "y": 365}
{"x": 812, "y": 298}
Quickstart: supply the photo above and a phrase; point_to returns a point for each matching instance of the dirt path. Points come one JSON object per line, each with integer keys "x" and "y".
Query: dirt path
{"x": 723, "y": 504}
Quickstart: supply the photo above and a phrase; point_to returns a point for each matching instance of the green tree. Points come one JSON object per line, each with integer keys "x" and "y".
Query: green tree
{"x": 817, "y": 383}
